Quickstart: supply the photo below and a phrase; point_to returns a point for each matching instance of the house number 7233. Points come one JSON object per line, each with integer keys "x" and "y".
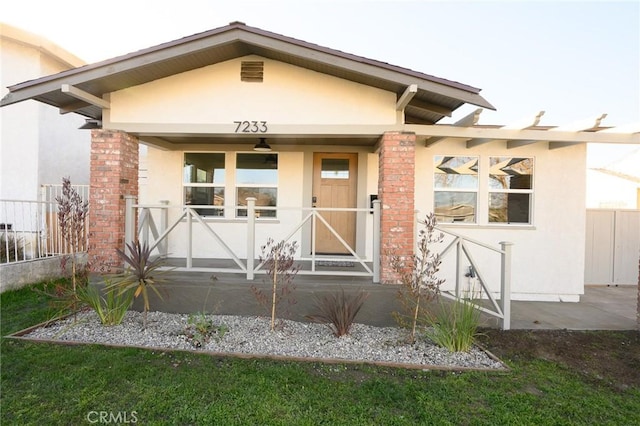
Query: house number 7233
{"x": 251, "y": 126}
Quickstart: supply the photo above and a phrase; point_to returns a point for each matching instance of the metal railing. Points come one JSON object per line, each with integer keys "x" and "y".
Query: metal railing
{"x": 465, "y": 261}
{"x": 156, "y": 231}
{"x": 29, "y": 229}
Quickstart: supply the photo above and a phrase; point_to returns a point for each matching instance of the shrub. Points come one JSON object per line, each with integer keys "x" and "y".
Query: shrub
{"x": 110, "y": 308}
{"x": 278, "y": 259}
{"x": 455, "y": 327}
{"x": 338, "y": 310}
{"x": 139, "y": 274}
{"x": 72, "y": 215}
{"x": 200, "y": 330}
{"x": 418, "y": 278}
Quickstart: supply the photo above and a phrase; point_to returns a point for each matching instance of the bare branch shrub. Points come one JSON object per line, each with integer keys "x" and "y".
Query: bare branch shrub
{"x": 281, "y": 270}
{"x": 418, "y": 278}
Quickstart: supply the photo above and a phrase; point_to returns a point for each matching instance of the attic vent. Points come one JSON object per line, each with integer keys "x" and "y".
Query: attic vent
{"x": 252, "y": 71}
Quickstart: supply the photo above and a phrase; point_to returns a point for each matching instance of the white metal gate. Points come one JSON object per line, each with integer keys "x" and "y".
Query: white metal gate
{"x": 612, "y": 247}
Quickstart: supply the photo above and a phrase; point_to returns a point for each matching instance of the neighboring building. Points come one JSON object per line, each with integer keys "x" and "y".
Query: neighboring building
{"x": 38, "y": 144}
{"x": 238, "y": 112}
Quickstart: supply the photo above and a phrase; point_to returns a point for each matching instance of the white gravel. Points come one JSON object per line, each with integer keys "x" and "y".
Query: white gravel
{"x": 252, "y": 335}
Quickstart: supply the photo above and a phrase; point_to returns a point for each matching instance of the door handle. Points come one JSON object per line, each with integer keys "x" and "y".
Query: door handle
{"x": 314, "y": 200}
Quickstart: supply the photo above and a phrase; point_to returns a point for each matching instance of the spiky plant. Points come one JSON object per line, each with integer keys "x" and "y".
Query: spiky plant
{"x": 141, "y": 273}
{"x": 338, "y": 310}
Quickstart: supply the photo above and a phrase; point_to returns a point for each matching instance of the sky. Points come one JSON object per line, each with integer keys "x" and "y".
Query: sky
{"x": 575, "y": 60}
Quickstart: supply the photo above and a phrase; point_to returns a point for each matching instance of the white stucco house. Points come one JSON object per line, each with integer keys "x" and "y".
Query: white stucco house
{"x": 238, "y": 116}
{"x": 39, "y": 145}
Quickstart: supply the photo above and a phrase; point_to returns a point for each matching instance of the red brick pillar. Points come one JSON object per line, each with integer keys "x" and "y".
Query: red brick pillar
{"x": 114, "y": 174}
{"x": 396, "y": 188}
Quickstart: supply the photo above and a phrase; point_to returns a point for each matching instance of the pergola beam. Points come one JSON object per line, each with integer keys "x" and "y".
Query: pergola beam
{"x": 517, "y": 144}
{"x": 422, "y": 131}
{"x": 468, "y": 120}
{"x": 526, "y": 123}
{"x": 84, "y": 96}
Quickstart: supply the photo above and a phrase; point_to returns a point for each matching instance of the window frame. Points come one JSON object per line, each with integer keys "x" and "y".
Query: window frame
{"x": 528, "y": 191}
{"x": 466, "y": 190}
{"x": 484, "y": 191}
{"x": 208, "y": 212}
{"x": 268, "y": 214}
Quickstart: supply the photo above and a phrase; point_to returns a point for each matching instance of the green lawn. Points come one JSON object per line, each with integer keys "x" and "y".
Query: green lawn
{"x": 57, "y": 384}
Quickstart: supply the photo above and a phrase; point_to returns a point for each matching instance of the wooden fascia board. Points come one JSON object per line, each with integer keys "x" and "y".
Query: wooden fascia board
{"x": 367, "y": 69}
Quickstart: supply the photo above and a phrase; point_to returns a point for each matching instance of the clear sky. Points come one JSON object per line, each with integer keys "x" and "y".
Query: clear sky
{"x": 573, "y": 59}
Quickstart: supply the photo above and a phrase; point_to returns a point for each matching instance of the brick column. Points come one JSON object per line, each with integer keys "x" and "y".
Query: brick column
{"x": 396, "y": 188}
{"x": 114, "y": 174}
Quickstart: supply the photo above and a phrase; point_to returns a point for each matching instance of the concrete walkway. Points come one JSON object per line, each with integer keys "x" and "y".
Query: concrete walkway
{"x": 600, "y": 308}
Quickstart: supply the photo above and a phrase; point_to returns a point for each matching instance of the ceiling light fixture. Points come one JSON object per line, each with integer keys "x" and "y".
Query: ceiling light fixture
{"x": 262, "y": 146}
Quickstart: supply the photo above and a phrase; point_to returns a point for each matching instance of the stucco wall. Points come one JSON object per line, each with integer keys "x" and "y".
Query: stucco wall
{"x": 288, "y": 94}
{"x": 294, "y": 191}
{"x": 548, "y": 255}
{"x": 39, "y": 145}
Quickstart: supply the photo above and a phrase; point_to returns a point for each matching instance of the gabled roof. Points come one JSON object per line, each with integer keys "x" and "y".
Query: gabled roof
{"x": 431, "y": 99}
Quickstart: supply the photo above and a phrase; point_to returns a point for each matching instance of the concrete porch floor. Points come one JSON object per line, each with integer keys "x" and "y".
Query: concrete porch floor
{"x": 600, "y": 308}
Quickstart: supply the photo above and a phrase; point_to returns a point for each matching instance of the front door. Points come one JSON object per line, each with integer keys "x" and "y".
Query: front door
{"x": 334, "y": 186}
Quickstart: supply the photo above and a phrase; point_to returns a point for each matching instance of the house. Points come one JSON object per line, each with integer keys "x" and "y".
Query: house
{"x": 39, "y": 146}
{"x": 253, "y": 135}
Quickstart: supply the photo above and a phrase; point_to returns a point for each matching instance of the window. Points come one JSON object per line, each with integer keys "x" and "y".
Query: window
{"x": 510, "y": 189}
{"x": 203, "y": 181}
{"x": 335, "y": 168}
{"x": 456, "y": 189}
{"x": 257, "y": 176}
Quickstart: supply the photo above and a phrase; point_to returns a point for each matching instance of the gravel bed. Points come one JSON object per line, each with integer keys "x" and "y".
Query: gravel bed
{"x": 252, "y": 335}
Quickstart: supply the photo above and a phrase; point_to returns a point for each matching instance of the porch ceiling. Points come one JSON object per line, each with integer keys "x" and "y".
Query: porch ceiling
{"x": 434, "y": 99}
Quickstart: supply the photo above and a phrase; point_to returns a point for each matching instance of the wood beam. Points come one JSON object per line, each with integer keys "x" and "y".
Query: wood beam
{"x": 73, "y": 107}
{"x": 517, "y": 144}
{"x": 84, "y": 96}
{"x": 406, "y": 97}
{"x": 468, "y": 120}
{"x": 526, "y": 123}
{"x": 579, "y": 126}
{"x": 556, "y": 145}
{"x": 479, "y": 141}
{"x": 227, "y": 129}
{"x": 160, "y": 143}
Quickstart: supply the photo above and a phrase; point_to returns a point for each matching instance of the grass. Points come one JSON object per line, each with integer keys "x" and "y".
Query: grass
{"x": 58, "y": 384}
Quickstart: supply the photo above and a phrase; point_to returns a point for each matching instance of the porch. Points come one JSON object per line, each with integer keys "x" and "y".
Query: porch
{"x": 235, "y": 273}
{"x": 600, "y": 308}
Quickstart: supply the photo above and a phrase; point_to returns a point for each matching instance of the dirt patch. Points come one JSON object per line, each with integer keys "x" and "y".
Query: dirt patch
{"x": 606, "y": 357}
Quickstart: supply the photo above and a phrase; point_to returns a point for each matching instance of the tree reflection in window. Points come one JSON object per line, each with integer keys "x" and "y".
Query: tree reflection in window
{"x": 456, "y": 188}
{"x": 510, "y": 189}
